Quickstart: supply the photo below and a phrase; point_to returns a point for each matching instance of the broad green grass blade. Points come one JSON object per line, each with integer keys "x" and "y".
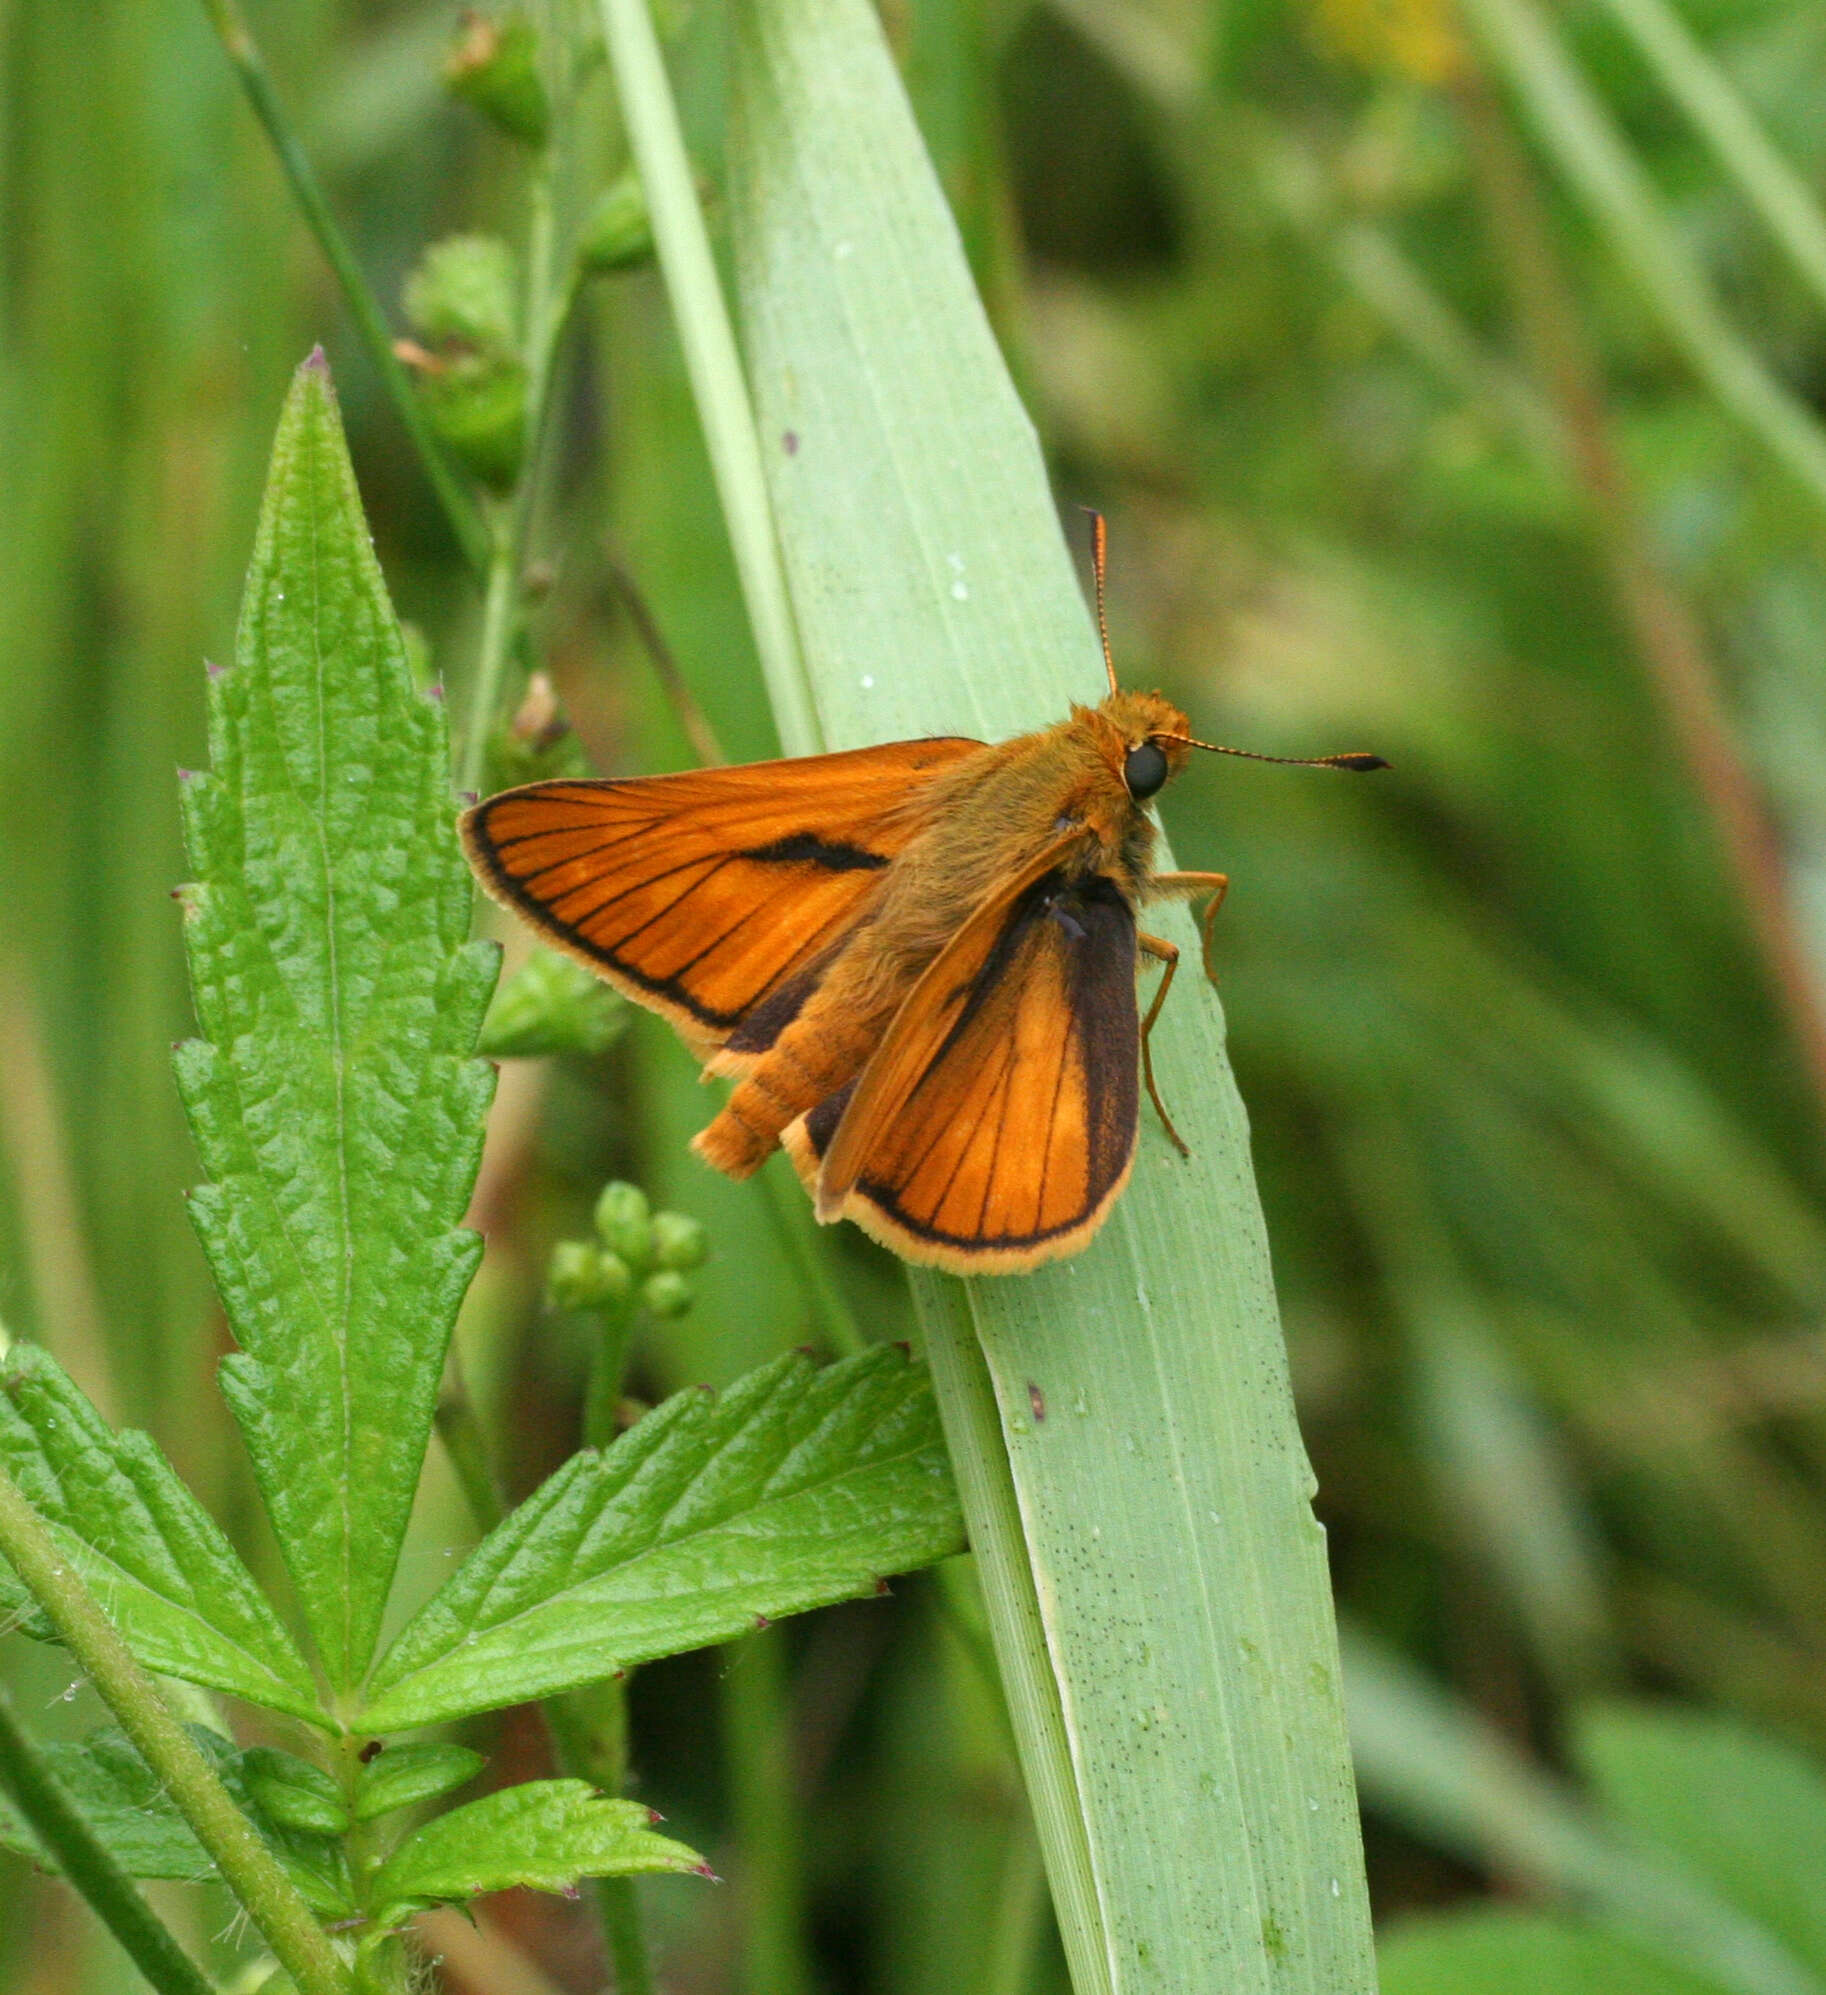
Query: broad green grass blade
{"x": 1743, "y": 1811}
{"x": 1184, "y": 1629}
{"x": 333, "y": 1097}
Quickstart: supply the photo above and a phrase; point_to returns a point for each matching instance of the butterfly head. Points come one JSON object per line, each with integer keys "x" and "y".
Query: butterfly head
{"x": 1151, "y": 731}
{"x": 1146, "y": 740}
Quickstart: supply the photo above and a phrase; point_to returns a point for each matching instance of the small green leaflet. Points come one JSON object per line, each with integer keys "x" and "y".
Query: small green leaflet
{"x": 172, "y": 1583}
{"x": 333, "y": 1096}
{"x": 294, "y": 1793}
{"x": 795, "y": 1488}
{"x": 402, "y": 1776}
{"x": 124, "y": 1802}
{"x": 546, "y": 1834}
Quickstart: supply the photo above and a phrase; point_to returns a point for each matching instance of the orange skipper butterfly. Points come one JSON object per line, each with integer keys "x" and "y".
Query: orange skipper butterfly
{"x": 917, "y": 962}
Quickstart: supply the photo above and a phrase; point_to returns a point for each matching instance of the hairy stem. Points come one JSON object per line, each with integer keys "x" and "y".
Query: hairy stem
{"x": 246, "y": 1865}
{"x": 113, "y": 1896}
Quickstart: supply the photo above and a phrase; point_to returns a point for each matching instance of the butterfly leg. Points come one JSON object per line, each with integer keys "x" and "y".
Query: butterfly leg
{"x": 1188, "y": 886}
{"x": 1166, "y": 953}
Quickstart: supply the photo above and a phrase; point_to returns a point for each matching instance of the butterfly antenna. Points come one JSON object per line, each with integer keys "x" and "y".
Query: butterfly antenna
{"x": 1100, "y": 537}
{"x": 1357, "y": 762}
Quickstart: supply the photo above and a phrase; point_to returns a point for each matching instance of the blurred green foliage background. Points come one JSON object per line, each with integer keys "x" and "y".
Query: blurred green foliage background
{"x": 1415, "y": 434}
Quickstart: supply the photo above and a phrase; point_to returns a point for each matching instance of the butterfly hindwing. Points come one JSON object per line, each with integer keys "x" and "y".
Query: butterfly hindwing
{"x": 997, "y": 1120}
{"x": 702, "y": 894}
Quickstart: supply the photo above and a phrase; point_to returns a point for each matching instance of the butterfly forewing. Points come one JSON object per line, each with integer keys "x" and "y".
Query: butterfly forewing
{"x": 702, "y": 893}
{"x": 997, "y": 1120}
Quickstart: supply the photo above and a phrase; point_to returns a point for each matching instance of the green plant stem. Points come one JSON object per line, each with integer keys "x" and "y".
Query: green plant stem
{"x": 979, "y": 1459}
{"x": 246, "y": 1865}
{"x": 544, "y": 319}
{"x": 1579, "y": 136}
{"x": 618, "y": 1908}
{"x": 589, "y": 1727}
{"x": 793, "y": 1226}
{"x": 113, "y": 1896}
{"x": 707, "y": 339}
{"x": 589, "y": 1735}
{"x": 500, "y": 619}
{"x": 757, "y": 1737}
{"x": 608, "y": 1360}
{"x": 1705, "y": 93}
{"x": 1666, "y": 634}
{"x": 459, "y": 507}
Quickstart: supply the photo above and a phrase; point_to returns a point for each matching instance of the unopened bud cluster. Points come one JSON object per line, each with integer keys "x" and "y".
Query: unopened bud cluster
{"x": 638, "y": 1256}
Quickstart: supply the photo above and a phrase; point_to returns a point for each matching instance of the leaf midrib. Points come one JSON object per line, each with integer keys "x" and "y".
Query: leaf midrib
{"x": 339, "y": 1330}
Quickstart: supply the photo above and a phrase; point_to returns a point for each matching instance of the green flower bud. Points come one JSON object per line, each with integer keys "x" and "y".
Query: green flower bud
{"x": 619, "y": 232}
{"x": 463, "y": 291}
{"x": 625, "y": 1221}
{"x": 461, "y": 300}
{"x": 667, "y": 1293}
{"x": 581, "y": 1276}
{"x": 552, "y": 1004}
{"x": 292, "y": 1793}
{"x": 478, "y": 408}
{"x": 495, "y": 67}
{"x": 678, "y": 1241}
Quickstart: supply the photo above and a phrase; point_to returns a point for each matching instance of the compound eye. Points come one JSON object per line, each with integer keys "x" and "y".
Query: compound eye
{"x": 1144, "y": 769}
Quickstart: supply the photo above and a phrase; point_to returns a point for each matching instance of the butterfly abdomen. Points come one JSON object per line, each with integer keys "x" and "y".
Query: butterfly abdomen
{"x": 808, "y": 1062}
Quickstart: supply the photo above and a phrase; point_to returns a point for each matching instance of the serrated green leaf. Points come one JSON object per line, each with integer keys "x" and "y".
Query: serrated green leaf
{"x": 795, "y": 1488}
{"x": 403, "y": 1775}
{"x": 545, "y": 1834}
{"x": 1499, "y": 1952}
{"x": 1744, "y": 1811}
{"x": 173, "y": 1586}
{"x": 126, "y": 1804}
{"x": 334, "y": 1099}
